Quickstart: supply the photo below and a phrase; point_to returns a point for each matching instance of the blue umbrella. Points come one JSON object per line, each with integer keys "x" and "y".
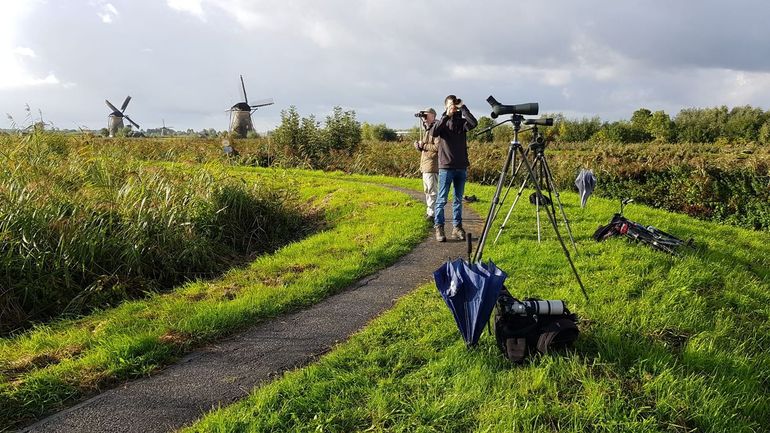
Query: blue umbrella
{"x": 470, "y": 291}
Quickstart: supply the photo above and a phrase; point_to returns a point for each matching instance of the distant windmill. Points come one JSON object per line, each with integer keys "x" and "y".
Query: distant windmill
{"x": 115, "y": 120}
{"x": 240, "y": 114}
{"x": 165, "y": 128}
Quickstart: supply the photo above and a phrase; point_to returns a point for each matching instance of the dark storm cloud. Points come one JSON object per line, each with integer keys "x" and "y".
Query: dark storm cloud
{"x": 180, "y": 59}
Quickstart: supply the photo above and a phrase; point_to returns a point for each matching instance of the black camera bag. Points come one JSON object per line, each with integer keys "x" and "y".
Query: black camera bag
{"x": 519, "y": 335}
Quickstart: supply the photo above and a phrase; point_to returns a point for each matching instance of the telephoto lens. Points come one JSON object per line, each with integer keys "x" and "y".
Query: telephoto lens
{"x": 542, "y": 308}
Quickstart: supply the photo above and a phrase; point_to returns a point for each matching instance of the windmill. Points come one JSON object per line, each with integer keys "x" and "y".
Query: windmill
{"x": 165, "y": 128}
{"x": 240, "y": 114}
{"x": 115, "y": 119}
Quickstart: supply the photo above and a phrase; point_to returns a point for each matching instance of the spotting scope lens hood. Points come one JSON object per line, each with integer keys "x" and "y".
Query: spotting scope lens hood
{"x": 498, "y": 109}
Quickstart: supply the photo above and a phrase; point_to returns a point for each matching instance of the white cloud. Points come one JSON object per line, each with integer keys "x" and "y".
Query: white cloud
{"x": 16, "y": 79}
{"x": 24, "y": 51}
{"x": 107, "y": 12}
{"x": 194, "y": 7}
{"x": 383, "y": 59}
{"x": 556, "y": 77}
{"x": 13, "y": 70}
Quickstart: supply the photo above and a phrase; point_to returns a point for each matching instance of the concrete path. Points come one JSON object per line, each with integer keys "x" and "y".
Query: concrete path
{"x": 225, "y": 372}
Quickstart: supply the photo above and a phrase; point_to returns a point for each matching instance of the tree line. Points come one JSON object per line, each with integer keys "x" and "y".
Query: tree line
{"x": 742, "y": 124}
{"x": 306, "y": 137}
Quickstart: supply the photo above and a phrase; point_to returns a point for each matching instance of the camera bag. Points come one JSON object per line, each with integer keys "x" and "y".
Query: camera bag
{"x": 519, "y": 335}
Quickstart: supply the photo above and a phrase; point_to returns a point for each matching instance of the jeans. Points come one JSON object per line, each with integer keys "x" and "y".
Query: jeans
{"x": 447, "y": 178}
{"x": 429, "y": 186}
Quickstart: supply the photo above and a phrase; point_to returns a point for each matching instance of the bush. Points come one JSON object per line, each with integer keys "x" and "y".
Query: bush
{"x": 342, "y": 131}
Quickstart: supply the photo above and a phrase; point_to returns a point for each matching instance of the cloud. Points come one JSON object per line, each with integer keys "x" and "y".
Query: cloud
{"x": 107, "y": 12}
{"x": 14, "y": 59}
{"x": 15, "y": 79}
{"x": 496, "y": 73}
{"x": 194, "y": 7}
{"x": 180, "y": 59}
{"x": 24, "y": 51}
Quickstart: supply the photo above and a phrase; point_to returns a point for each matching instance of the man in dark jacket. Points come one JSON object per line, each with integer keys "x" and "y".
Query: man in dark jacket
{"x": 452, "y": 163}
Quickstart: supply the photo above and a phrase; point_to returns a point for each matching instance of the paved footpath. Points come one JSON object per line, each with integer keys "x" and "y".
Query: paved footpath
{"x": 222, "y": 373}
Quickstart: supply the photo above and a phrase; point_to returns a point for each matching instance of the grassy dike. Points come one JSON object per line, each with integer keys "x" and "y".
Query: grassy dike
{"x": 51, "y": 366}
{"x": 668, "y": 344}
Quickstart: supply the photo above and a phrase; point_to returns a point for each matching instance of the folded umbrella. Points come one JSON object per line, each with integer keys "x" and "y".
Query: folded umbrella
{"x": 585, "y": 182}
{"x": 470, "y": 292}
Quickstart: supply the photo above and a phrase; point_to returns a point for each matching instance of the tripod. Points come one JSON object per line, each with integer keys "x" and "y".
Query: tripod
{"x": 544, "y": 178}
{"x": 516, "y": 148}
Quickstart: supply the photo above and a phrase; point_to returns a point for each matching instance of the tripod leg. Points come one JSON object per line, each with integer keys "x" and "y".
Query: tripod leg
{"x": 492, "y": 206}
{"x": 552, "y": 187}
{"x": 552, "y": 219}
{"x": 508, "y": 216}
{"x": 510, "y": 184}
{"x": 538, "y": 168}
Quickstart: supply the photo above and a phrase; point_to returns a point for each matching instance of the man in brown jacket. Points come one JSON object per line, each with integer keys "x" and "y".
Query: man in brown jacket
{"x": 428, "y": 146}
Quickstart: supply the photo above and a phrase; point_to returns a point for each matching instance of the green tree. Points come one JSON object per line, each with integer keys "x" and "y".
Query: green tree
{"x": 641, "y": 119}
{"x": 639, "y": 125}
{"x": 342, "y": 131}
{"x": 744, "y": 123}
{"x": 616, "y": 132}
{"x": 579, "y": 130}
{"x": 701, "y": 125}
{"x": 484, "y": 123}
{"x": 661, "y": 127}
{"x": 312, "y": 146}
{"x": 289, "y": 133}
{"x": 503, "y": 133}
{"x": 764, "y": 133}
{"x": 378, "y": 132}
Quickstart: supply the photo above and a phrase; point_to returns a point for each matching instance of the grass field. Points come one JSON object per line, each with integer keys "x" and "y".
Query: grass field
{"x": 668, "y": 344}
{"x": 51, "y": 366}
{"x": 84, "y": 227}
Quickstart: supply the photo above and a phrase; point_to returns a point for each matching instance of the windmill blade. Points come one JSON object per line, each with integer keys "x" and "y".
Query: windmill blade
{"x": 263, "y": 103}
{"x": 132, "y": 122}
{"x": 125, "y": 104}
{"x": 243, "y": 87}
{"x": 112, "y": 107}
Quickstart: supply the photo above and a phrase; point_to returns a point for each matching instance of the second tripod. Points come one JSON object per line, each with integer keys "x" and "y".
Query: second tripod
{"x": 546, "y": 184}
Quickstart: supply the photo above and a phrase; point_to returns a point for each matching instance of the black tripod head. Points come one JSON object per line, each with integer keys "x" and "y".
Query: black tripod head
{"x": 538, "y": 140}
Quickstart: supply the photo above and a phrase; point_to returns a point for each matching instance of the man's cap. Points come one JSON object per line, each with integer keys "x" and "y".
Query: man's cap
{"x": 430, "y": 110}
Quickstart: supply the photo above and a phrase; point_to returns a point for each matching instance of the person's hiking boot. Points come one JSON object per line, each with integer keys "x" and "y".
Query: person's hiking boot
{"x": 440, "y": 234}
{"x": 458, "y": 233}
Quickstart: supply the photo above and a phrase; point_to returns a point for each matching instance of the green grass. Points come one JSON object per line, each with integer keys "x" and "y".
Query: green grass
{"x": 82, "y": 228}
{"x": 51, "y": 366}
{"x": 668, "y": 344}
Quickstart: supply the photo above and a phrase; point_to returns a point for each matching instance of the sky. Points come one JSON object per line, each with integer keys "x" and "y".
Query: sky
{"x": 385, "y": 59}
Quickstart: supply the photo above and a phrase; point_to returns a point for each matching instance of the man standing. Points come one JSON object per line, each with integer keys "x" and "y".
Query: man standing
{"x": 428, "y": 146}
{"x": 453, "y": 163}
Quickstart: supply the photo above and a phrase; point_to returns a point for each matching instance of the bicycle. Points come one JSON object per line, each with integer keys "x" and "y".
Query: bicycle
{"x": 649, "y": 235}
